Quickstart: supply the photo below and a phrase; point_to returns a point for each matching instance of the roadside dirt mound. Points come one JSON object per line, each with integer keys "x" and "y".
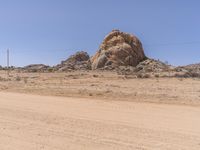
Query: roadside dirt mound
{"x": 78, "y": 61}
{"x": 118, "y": 49}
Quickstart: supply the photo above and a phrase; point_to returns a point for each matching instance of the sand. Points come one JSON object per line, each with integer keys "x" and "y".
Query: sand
{"x": 98, "y": 110}
{"x": 31, "y": 122}
{"x": 105, "y": 85}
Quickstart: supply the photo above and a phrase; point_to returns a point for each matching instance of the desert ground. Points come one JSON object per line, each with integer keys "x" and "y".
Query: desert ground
{"x": 98, "y": 110}
{"x": 104, "y": 85}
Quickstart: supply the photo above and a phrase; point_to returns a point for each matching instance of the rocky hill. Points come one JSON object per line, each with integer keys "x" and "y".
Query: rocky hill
{"x": 123, "y": 53}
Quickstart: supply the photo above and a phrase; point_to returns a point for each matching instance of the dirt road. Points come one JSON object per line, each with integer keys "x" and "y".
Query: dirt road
{"x": 29, "y": 122}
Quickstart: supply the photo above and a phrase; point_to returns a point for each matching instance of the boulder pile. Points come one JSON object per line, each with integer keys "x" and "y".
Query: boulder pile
{"x": 78, "y": 61}
{"x": 36, "y": 68}
{"x": 151, "y": 65}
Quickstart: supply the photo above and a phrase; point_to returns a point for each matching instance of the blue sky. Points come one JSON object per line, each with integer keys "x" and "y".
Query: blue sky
{"x": 48, "y": 31}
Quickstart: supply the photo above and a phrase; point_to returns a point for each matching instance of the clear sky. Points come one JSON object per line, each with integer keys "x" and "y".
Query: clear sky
{"x": 48, "y": 31}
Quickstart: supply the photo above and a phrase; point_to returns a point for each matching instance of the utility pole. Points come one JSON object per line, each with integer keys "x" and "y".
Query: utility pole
{"x": 8, "y": 61}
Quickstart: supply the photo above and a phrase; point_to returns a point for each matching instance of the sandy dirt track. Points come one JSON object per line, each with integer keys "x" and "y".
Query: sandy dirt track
{"x": 29, "y": 122}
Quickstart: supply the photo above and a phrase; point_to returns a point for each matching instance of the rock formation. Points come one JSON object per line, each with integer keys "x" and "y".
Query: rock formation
{"x": 78, "y": 61}
{"x": 36, "y": 68}
{"x": 151, "y": 65}
{"x": 195, "y": 67}
{"x": 118, "y": 49}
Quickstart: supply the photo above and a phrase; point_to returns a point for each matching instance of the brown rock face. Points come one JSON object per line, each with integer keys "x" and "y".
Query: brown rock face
{"x": 78, "y": 57}
{"x": 78, "y": 61}
{"x": 118, "y": 49}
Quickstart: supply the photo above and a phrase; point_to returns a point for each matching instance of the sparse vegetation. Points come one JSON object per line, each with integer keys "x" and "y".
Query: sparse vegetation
{"x": 95, "y": 76}
{"x": 146, "y": 76}
{"x": 18, "y": 78}
{"x": 157, "y": 75}
{"x": 139, "y": 75}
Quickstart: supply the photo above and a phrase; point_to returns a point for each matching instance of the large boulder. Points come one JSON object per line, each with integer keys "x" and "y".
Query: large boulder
{"x": 118, "y": 49}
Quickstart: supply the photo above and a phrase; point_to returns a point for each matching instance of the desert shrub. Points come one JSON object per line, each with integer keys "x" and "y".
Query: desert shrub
{"x": 130, "y": 77}
{"x": 165, "y": 76}
{"x": 2, "y": 79}
{"x": 18, "y": 78}
{"x": 185, "y": 75}
{"x": 50, "y": 69}
{"x": 180, "y": 79}
{"x": 146, "y": 76}
{"x": 90, "y": 94}
{"x": 157, "y": 75}
{"x": 188, "y": 75}
{"x": 95, "y": 76}
{"x": 177, "y": 75}
{"x": 139, "y": 75}
{"x": 195, "y": 75}
{"x": 33, "y": 70}
{"x": 25, "y": 80}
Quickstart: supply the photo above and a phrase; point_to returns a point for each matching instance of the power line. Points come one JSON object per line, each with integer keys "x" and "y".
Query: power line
{"x": 173, "y": 44}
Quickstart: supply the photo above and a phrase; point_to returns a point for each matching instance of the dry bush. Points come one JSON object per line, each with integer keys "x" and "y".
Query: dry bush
{"x": 185, "y": 75}
{"x": 130, "y": 77}
{"x": 90, "y": 94}
{"x": 25, "y": 80}
{"x": 188, "y": 75}
{"x": 18, "y": 78}
{"x": 95, "y": 76}
{"x": 139, "y": 75}
{"x": 146, "y": 76}
{"x": 142, "y": 76}
{"x": 50, "y": 70}
{"x": 3, "y": 79}
{"x": 157, "y": 75}
{"x": 165, "y": 76}
{"x": 195, "y": 75}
